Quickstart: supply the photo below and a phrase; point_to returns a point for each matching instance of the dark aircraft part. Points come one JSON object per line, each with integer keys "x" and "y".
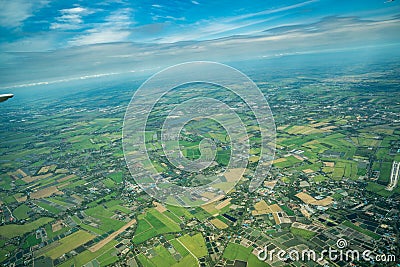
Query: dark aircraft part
{"x": 5, "y": 97}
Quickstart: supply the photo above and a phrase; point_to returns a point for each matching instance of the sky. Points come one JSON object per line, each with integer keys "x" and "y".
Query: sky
{"x": 45, "y": 41}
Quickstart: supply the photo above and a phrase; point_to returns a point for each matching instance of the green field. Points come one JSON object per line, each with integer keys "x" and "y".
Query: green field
{"x": 180, "y": 211}
{"x": 307, "y": 235}
{"x": 13, "y": 230}
{"x": 163, "y": 257}
{"x": 48, "y": 207}
{"x": 69, "y": 243}
{"x": 21, "y": 212}
{"x": 104, "y": 215}
{"x": 88, "y": 256}
{"x": 195, "y": 244}
{"x": 361, "y": 230}
{"x": 290, "y": 161}
{"x": 153, "y": 223}
{"x": 237, "y": 252}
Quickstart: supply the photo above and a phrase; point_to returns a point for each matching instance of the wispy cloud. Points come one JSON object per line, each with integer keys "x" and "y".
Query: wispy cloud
{"x": 223, "y": 26}
{"x": 329, "y": 34}
{"x": 71, "y": 19}
{"x": 115, "y": 28}
{"x": 14, "y": 13}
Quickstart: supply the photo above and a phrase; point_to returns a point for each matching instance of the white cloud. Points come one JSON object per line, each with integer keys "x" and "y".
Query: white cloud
{"x": 115, "y": 28}
{"x": 101, "y": 36}
{"x": 14, "y": 13}
{"x": 71, "y": 19}
{"x": 332, "y": 34}
{"x": 195, "y": 2}
{"x": 243, "y": 24}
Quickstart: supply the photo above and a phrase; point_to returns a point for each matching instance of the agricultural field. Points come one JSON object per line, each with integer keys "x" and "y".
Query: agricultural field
{"x": 237, "y": 252}
{"x": 13, "y": 230}
{"x": 154, "y": 223}
{"x": 105, "y": 254}
{"x": 65, "y": 182}
{"x": 69, "y": 243}
{"x": 22, "y": 212}
{"x": 195, "y": 244}
{"x": 303, "y": 233}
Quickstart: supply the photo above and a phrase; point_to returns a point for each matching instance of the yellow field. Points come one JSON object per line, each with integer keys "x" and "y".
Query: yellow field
{"x": 262, "y": 208}
{"x": 160, "y": 208}
{"x": 46, "y": 192}
{"x": 219, "y": 224}
{"x": 308, "y": 171}
{"x": 46, "y": 169}
{"x": 210, "y": 208}
{"x": 329, "y": 164}
{"x": 58, "y": 225}
{"x": 280, "y": 160}
{"x": 214, "y": 207}
{"x": 66, "y": 178}
{"x": 69, "y": 243}
{"x": 223, "y": 204}
{"x": 306, "y": 198}
{"x": 29, "y": 179}
{"x": 234, "y": 175}
{"x": 307, "y": 129}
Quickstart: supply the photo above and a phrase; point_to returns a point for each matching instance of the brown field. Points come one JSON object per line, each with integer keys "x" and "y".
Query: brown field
{"x": 275, "y": 208}
{"x": 325, "y": 202}
{"x": 304, "y": 130}
{"x": 270, "y": 184}
{"x": 318, "y": 124}
{"x": 234, "y": 175}
{"x": 214, "y": 207}
{"x": 160, "y": 208}
{"x": 328, "y": 128}
{"x": 281, "y": 128}
{"x": 63, "y": 185}
{"x": 276, "y": 218}
{"x": 210, "y": 208}
{"x": 223, "y": 204}
{"x": 306, "y": 198}
{"x": 329, "y": 164}
{"x": 58, "y": 171}
{"x": 29, "y": 179}
{"x": 298, "y": 157}
{"x": 44, "y": 169}
{"x": 261, "y": 208}
{"x": 219, "y": 224}
{"x": 66, "y": 178}
{"x": 279, "y": 160}
{"x": 21, "y": 199}
{"x": 308, "y": 171}
{"x": 58, "y": 225}
{"x": 46, "y": 192}
{"x": 103, "y": 242}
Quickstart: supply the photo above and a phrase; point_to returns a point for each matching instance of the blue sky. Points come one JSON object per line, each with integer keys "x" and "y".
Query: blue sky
{"x": 38, "y": 32}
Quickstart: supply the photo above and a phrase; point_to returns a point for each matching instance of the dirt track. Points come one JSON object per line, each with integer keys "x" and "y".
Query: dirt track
{"x": 103, "y": 242}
